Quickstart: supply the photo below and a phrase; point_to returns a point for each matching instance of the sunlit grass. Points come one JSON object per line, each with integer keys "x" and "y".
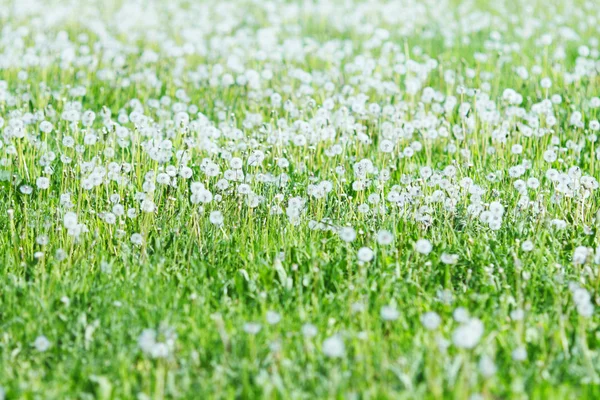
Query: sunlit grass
{"x": 329, "y": 200}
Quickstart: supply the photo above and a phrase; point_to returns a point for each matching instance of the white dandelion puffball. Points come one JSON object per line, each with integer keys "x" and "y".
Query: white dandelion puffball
{"x": 423, "y": 246}
{"x": 41, "y": 343}
{"x": 468, "y": 334}
{"x": 333, "y": 347}
{"x": 365, "y": 254}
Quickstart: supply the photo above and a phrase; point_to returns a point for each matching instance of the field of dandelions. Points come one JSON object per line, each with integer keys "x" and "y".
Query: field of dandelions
{"x": 299, "y": 199}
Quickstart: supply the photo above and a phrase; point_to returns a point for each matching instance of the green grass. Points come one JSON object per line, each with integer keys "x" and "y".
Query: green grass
{"x": 92, "y": 295}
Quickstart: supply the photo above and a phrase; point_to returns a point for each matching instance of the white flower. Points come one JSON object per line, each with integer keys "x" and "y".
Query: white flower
{"x": 216, "y": 218}
{"x": 461, "y": 314}
{"x": 449, "y": 259}
{"x": 148, "y": 206}
{"x": 517, "y": 315}
{"x": 385, "y": 238}
{"x": 42, "y": 182}
{"x": 357, "y": 307}
{"x": 487, "y": 367}
{"x": 580, "y": 255}
{"x": 431, "y": 320}
{"x": 468, "y": 334}
{"x": 110, "y": 218}
{"x": 546, "y": 83}
{"x": 70, "y": 220}
{"x": 527, "y": 245}
{"x": 46, "y": 127}
{"x": 252, "y": 328}
{"x": 309, "y": 330}
{"x": 137, "y": 239}
{"x": 333, "y": 347}
{"x": 519, "y": 354}
{"x": 146, "y": 340}
{"x": 583, "y": 300}
{"x": 273, "y": 317}
{"x": 585, "y": 309}
{"x": 150, "y": 344}
{"x": 41, "y": 343}
{"x": 389, "y": 313}
{"x": 347, "y": 234}
{"x": 365, "y": 254}
{"x": 496, "y": 208}
{"x": 423, "y": 246}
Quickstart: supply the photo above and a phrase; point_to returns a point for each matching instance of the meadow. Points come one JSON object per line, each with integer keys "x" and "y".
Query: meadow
{"x": 333, "y": 199}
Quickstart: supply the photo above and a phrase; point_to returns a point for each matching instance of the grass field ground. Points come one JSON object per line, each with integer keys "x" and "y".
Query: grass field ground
{"x": 299, "y": 200}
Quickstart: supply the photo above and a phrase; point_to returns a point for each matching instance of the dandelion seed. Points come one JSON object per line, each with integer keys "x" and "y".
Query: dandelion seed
{"x": 65, "y": 300}
{"x": 517, "y": 315}
{"x": 449, "y": 259}
{"x": 157, "y": 344}
{"x": 468, "y": 334}
{"x": 487, "y": 367}
{"x": 41, "y": 343}
{"x": 580, "y": 255}
{"x": 216, "y": 218}
{"x": 527, "y": 246}
{"x": 333, "y": 347}
{"x": 273, "y": 317}
{"x": 389, "y": 313}
{"x": 460, "y": 314}
{"x": 385, "y": 238}
{"x": 137, "y": 239}
{"x": 546, "y": 83}
{"x": 357, "y": 307}
{"x": 423, "y": 246}
{"x": 60, "y": 255}
{"x": 70, "y": 220}
{"x": 110, "y": 218}
{"x": 519, "y": 354}
{"x": 431, "y": 320}
{"x": 26, "y": 189}
{"x": 42, "y": 240}
{"x": 148, "y": 206}
{"x": 347, "y": 234}
{"x": 365, "y": 254}
{"x": 252, "y": 328}
{"x": 309, "y": 330}
{"x": 46, "y": 127}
